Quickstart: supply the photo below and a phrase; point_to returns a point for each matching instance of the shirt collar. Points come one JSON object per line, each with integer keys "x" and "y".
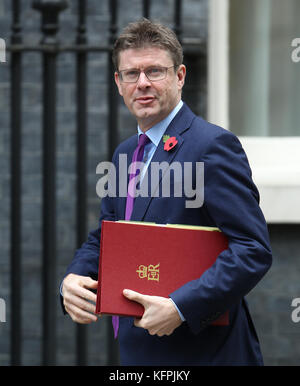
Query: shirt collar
{"x": 156, "y": 132}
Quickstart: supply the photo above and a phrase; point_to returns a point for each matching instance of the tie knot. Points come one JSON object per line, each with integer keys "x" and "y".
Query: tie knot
{"x": 143, "y": 140}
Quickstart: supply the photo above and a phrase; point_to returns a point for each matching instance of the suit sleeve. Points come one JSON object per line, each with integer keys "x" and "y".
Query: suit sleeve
{"x": 86, "y": 259}
{"x": 231, "y": 200}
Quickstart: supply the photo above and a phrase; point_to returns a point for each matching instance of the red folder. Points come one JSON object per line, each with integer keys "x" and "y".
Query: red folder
{"x": 153, "y": 260}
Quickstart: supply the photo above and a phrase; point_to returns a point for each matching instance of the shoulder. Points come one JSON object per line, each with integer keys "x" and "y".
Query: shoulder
{"x": 206, "y": 136}
{"x": 198, "y": 127}
{"x": 209, "y": 132}
{"x": 219, "y": 148}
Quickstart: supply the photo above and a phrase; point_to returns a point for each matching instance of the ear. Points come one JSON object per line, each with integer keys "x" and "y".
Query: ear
{"x": 181, "y": 72}
{"x": 118, "y": 83}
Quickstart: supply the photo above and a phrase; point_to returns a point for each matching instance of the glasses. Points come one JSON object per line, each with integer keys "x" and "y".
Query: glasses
{"x": 152, "y": 73}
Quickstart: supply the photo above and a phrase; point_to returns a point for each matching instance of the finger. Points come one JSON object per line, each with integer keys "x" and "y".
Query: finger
{"x": 88, "y": 282}
{"x": 138, "y": 322}
{"x": 80, "y": 294}
{"x": 163, "y": 332}
{"x": 141, "y": 324}
{"x": 86, "y": 294}
{"x": 77, "y": 289}
{"x": 79, "y": 315}
{"x": 74, "y": 304}
{"x": 83, "y": 304}
{"x": 136, "y": 296}
{"x": 73, "y": 280}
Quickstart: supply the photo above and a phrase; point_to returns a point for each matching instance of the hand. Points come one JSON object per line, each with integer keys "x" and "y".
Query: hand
{"x": 78, "y": 298}
{"x": 160, "y": 316}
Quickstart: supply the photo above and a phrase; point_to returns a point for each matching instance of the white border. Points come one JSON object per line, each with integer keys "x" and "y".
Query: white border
{"x": 218, "y": 74}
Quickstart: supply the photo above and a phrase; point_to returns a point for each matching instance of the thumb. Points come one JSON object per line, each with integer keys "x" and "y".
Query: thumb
{"x": 136, "y": 296}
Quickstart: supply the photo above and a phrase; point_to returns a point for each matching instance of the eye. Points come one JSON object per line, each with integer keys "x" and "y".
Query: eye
{"x": 131, "y": 73}
{"x": 154, "y": 71}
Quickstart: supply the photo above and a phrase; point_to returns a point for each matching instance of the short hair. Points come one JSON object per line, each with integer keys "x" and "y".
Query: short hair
{"x": 145, "y": 33}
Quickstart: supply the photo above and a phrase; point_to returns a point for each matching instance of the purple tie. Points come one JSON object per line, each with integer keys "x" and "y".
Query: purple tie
{"x": 137, "y": 157}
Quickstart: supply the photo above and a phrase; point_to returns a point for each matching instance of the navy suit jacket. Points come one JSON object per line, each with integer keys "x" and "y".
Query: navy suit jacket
{"x": 231, "y": 204}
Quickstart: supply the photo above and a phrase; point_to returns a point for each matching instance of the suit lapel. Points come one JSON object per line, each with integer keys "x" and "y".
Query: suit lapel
{"x": 129, "y": 154}
{"x": 180, "y": 123}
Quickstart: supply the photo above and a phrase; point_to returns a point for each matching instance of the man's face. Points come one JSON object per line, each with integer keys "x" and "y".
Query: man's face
{"x": 150, "y": 101}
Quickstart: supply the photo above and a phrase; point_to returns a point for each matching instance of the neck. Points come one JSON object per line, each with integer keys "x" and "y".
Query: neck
{"x": 146, "y": 123}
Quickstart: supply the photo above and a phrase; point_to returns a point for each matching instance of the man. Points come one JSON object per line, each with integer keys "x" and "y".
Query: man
{"x": 177, "y": 330}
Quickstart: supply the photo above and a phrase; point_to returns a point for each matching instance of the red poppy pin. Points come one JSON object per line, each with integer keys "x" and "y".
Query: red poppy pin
{"x": 170, "y": 142}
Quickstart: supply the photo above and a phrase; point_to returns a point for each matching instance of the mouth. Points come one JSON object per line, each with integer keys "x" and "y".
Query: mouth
{"x": 145, "y": 100}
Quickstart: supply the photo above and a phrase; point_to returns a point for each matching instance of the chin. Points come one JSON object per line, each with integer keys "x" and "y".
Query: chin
{"x": 145, "y": 112}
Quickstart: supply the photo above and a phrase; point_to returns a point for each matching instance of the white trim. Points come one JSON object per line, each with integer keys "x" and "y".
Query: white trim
{"x": 275, "y": 164}
{"x": 218, "y": 76}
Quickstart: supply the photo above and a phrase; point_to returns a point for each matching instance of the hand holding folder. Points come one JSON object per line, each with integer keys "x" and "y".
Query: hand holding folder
{"x": 160, "y": 316}
{"x": 153, "y": 260}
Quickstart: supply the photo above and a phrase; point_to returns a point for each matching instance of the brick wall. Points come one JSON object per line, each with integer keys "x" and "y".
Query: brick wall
{"x": 194, "y": 24}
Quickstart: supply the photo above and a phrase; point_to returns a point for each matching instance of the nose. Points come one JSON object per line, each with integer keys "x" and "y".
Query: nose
{"x": 143, "y": 81}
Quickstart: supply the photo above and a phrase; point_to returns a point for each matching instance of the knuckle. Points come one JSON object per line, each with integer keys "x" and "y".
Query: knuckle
{"x": 75, "y": 314}
{"x": 66, "y": 298}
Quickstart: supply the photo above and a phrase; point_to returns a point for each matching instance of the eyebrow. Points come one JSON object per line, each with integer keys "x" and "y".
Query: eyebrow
{"x": 135, "y": 68}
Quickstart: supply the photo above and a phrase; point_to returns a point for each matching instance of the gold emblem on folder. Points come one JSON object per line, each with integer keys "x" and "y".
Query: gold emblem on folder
{"x": 151, "y": 272}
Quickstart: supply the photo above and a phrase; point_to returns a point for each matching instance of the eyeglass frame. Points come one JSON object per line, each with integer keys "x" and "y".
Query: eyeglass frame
{"x": 140, "y": 71}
